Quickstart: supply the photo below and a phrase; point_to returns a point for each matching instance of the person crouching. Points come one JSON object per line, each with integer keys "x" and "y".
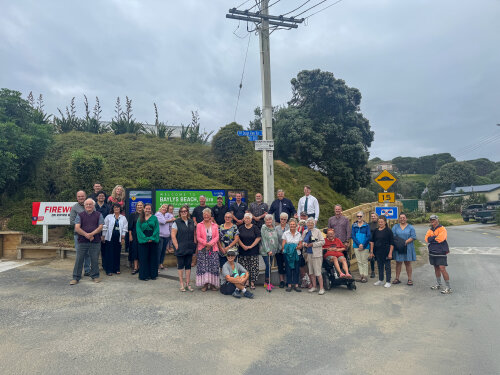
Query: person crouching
{"x": 234, "y": 277}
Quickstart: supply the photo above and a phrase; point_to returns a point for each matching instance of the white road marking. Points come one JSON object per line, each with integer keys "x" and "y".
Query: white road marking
{"x": 475, "y": 250}
{"x": 10, "y": 264}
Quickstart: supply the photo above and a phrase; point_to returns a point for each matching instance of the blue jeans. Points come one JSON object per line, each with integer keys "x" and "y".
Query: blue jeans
{"x": 86, "y": 257}
{"x": 90, "y": 250}
{"x": 162, "y": 248}
{"x": 268, "y": 261}
{"x": 292, "y": 276}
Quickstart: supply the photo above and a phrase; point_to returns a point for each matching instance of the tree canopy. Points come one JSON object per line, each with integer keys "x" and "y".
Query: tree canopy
{"x": 25, "y": 135}
{"x": 457, "y": 173}
{"x": 322, "y": 127}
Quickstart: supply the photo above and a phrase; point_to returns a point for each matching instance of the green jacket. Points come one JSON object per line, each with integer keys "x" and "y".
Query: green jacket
{"x": 150, "y": 226}
{"x": 269, "y": 241}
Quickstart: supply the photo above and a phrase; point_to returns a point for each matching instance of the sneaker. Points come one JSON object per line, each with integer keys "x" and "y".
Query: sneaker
{"x": 312, "y": 290}
{"x": 86, "y": 274}
{"x": 446, "y": 291}
{"x": 321, "y": 292}
{"x": 378, "y": 283}
{"x": 288, "y": 289}
{"x": 436, "y": 287}
{"x": 96, "y": 280}
{"x": 297, "y": 289}
{"x": 237, "y": 294}
{"x": 372, "y": 276}
{"x": 387, "y": 285}
{"x": 248, "y": 294}
{"x": 282, "y": 284}
{"x": 73, "y": 282}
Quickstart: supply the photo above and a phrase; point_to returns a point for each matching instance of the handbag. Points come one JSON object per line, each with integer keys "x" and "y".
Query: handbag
{"x": 399, "y": 245}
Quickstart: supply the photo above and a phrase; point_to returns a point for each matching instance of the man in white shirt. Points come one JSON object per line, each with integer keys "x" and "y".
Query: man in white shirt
{"x": 309, "y": 204}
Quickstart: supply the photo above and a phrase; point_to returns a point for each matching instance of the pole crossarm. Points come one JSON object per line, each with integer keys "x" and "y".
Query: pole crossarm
{"x": 266, "y": 16}
{"x": 258, "y": 20}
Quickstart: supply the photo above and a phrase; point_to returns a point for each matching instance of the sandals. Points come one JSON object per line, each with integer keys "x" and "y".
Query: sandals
{"x": 410, "y": 282}
{"x": 188, "y": 287}
{"x": 396, "y": 281}
{"x": 134, "y": 272}
{"x": 204, "y": 289}
{"x": 252, "y": 287}
{"x": 182, "y": 289}
{"x": 214, "y": 288}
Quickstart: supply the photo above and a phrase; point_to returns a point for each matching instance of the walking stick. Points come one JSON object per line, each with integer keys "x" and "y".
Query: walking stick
{"x": 269, "y": 285}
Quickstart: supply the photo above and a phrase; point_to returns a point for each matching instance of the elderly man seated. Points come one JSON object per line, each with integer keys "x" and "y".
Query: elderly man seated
{"x": 334, "y": 253}
{"x": 234, "y": 277}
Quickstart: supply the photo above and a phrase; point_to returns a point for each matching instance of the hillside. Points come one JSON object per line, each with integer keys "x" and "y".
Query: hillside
{"x": 144, "y": 161}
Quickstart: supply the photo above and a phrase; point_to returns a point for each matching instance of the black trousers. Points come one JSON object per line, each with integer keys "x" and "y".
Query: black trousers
{"x": 280, "y": 262}
{"x": 148, "y": 260}
{"x": 383, "y": 263}
{"x": 111, "y": 260}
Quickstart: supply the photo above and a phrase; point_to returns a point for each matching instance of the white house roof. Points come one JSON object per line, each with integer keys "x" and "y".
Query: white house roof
{"x": 472, "y": 189}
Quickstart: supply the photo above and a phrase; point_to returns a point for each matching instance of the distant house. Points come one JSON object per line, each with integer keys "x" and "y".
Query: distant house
{"x": 383, "y": 166}
{"x": 490, "y": 191}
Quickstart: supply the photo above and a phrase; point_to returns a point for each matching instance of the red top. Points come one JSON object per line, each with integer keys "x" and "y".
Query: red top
{"x": 336, "y": 242}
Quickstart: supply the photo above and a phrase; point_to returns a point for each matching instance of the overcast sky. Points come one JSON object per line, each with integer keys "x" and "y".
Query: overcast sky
{"x": 428, "y": 70}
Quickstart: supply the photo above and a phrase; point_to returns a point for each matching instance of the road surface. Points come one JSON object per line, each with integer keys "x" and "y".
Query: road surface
{"x": 126, "y": 326}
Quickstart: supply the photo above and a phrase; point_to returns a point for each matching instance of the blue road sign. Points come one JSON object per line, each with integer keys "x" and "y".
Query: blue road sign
{"x": 391, "y": 213}
{"x": 249, "y": 133}
{"x": 253, "y": 138}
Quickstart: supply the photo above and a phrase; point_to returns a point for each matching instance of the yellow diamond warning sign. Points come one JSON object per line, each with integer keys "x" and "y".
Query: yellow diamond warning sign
{"x": 385, "y": 180}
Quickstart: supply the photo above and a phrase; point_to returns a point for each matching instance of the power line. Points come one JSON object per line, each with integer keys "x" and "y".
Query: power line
{"x": 269, "y": 6}
{"x": 243, "y": 3}
{"x": 482, "y": 143}
{"x": 308, "y": 9}
{"x": 325, "y": 8}
{"x": 296, "y": 8}
{"x": 242, "y": 75}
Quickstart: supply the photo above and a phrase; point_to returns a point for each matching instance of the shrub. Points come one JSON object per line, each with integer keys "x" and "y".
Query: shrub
{"x": 86, "y": 168}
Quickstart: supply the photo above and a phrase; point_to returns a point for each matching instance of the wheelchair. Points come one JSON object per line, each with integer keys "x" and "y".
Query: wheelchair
{"x": 330, "y": 277}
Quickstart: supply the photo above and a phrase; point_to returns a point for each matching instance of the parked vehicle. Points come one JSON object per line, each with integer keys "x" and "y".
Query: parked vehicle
{"x": 488, "y": 213}
{"x": 470, "y": 211}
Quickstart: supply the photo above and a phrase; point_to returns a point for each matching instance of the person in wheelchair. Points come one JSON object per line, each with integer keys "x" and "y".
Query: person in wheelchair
{"x": 333, "y": 250}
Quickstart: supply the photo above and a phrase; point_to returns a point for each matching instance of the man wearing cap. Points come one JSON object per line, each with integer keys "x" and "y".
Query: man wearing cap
{"x": 309, "y": 204}
{"x": 234, "y": 277}
{"x": 219, "y": 211}
{"x": 280, "y": 205}
{"x": 438, "y": 249}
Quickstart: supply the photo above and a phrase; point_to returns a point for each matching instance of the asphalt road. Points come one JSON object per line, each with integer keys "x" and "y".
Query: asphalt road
{"x": 125, "y": 326}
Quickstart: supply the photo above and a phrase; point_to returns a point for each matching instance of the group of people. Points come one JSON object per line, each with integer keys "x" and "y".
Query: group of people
{"x": 225, "y": 243}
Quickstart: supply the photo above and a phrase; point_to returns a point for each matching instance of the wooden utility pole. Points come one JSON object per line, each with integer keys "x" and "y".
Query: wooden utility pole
{"x": 263, "y": 22}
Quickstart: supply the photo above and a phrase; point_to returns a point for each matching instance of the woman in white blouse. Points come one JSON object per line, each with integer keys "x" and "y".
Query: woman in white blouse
{"x": 292, "y": 243}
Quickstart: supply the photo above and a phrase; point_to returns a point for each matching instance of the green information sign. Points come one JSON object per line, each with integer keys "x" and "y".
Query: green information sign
{"x": 178, "y": 198}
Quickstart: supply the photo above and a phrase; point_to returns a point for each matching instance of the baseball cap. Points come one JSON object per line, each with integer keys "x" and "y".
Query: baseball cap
{"x": 434, "y": 217}
{"x": 232, "y": 251}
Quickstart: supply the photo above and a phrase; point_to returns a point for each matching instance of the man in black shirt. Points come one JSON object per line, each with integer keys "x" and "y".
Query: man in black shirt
{"x": 281, "y": 205}
{"x": 219, "y": 210}
{"x": 197, "y": 214}
{"x": 97, "y": 189}
{"x": 238, "y": 208}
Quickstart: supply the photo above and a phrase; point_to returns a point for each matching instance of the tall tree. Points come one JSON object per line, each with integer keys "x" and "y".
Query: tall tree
{"x": 323, "y": 127}
{"x": 23, "y": 140}
{"x": 456, "y": 173}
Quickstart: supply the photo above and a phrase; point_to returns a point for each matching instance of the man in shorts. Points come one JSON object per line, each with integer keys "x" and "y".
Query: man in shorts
{"x": 334, "y": 253}
{"x": 438, "y": 250}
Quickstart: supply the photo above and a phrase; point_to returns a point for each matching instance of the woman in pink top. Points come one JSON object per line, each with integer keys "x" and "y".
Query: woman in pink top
{"x": 207, "y": 268}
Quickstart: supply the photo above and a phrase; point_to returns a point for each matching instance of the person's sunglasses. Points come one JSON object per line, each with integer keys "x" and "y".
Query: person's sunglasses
{"x": 182, "y": 212}
{"x": 359, "y": 217}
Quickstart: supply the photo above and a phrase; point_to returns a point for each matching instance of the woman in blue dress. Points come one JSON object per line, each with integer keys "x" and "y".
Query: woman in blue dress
{"x": 407, "y": 233}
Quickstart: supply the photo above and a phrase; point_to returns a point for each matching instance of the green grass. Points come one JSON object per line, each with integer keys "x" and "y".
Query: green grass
{"x": 142, "y": 161}
{"x": 418, "y": 245}
{"x": 425, "y": 178}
